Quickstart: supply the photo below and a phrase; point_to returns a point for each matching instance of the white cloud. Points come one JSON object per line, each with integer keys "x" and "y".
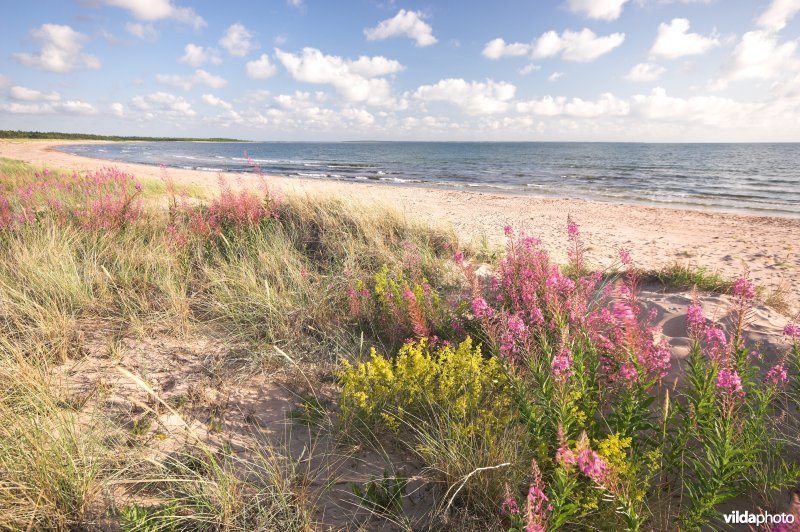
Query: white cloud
{"x": 255, "y": 96}
{"x": 529, "y": 68}
{"x": 76, "y": 107}
{"x": 355, "y": 80}
{"x": 778, "y": 14}
{"x": 297, "y": 4}
{"x": 474, "y": 98}
{"x": 117, "y": 109}
{"x": 555, "y": 76}
{"x": 261, "y": 68}
{"x": 238, "y": 40}
{"x": 142, "y": 31}
{"x": 32, "y": 95}
{"x": 159, "y": 10}
{"x": 197, "y": 55}
{"x": 606, "y": 105}
{"x": 705, "y": 110}
{"x": 581, "y": 46}
{"x": 164, "y": 102}
{"x": 405, "y": 23}
{"x": 4, "y": 81}
{"x": 645, "y": 72}
{"x": 599, "y": 9}
{"x": 61, "y": 50}
{"x": 50, "y": 107}
{"x": 497, "y": 48}
{"x": 200, "y": 77}
{"x": 758, "y": 56}
{"x": 212, "y": 100}
{"x": 674, "y": 40}
{"x": 371, "y": 67}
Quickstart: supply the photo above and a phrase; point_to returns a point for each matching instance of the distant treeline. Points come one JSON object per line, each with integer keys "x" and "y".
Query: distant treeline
{"x": 83, "y": 136}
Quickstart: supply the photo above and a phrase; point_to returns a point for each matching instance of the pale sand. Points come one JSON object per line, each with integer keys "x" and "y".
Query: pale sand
{"x": 725, "y": 242}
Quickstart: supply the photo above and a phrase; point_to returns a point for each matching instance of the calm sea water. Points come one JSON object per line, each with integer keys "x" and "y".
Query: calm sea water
{"x": 753, "y": 178}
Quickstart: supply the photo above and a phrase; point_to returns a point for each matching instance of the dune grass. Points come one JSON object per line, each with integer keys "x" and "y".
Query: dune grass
{"x": 534, "y": 396}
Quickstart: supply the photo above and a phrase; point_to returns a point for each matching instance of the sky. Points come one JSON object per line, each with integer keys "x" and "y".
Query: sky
{"x": 280, "y": 70}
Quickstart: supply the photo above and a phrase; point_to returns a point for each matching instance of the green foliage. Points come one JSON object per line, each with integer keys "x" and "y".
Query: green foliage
{"x": 383, "y": 495}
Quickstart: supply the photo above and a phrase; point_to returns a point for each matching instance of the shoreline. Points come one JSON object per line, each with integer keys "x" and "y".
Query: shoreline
{"x": 656, "y": 236}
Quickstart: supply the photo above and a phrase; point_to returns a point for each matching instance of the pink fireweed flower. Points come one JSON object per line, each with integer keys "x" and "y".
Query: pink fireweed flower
{"x": 729, "y": 382}
{"x": 743, "y": 288}
{"x": 509, "y": 505}
{"x": 777, "y": 375}
{"x": 625, "y": 257}
{"x": 561, "y": 366}
{"x": 566, "y": 456}
{"x": 458, "y": 258}
{"x": 628, "y": 372}
{"x": 537, "y": 505}
{"x": 572, "y": 229}
{"x": 717, "y": 343}
{"x": 695, "y": 319}
{"x": 481, "y": 308}
{"x": 592, "y": 464}
{"x": 792, "y": 330}
{"x": 508, "y": 230}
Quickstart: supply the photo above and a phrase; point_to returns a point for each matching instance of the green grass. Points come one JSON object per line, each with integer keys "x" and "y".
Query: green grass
{"x": 683, "y": 277}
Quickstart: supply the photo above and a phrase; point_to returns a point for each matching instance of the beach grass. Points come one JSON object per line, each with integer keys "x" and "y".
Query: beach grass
{"x": 149, "y": 334}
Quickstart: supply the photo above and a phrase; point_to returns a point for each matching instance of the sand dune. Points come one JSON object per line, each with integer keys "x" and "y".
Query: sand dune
{"x": 729, "y": 243}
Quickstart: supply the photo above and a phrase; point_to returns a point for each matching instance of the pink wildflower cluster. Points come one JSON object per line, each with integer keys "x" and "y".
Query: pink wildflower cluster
{"x": 792, "y": 331}
{"x": 105, "y": 199}
{"x": 695, "y": 319}
{"x": 729, "y": 383}
{"x": 561, "y": 366}
{"x": 743, "y": 288}
{"x": 777, "y": 375}
{"x": 592, "y": 464}
{"x": 239, "y": 208}
{"x": 537, "y": 505}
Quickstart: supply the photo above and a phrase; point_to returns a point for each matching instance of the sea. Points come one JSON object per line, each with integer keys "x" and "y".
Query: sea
{"x": 761, "y": 179}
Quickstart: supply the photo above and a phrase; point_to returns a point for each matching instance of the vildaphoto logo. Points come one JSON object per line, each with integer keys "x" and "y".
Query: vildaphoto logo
{"x": 764, "y": 518}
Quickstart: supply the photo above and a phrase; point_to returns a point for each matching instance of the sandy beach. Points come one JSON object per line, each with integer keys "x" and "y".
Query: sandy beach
{"x": 724, "y": 242}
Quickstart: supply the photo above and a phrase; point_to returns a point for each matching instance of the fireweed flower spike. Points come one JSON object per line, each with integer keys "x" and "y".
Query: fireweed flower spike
{"x": 729, "y": 383}
{"x": 777, "y": 375}
{"x": 537, "y": 507}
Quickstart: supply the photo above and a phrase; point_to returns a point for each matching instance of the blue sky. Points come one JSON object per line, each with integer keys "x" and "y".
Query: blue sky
{"x": 598, "y": 70}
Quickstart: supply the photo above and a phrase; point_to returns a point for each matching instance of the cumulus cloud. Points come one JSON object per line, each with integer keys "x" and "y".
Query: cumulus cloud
{"x": 645, "y": 72}
{"x": 581, "y": 46}
{"x": 162, "y": 102}
{"x": 213, "y": 101}
{"x": 404, "y": 24}
{"x": 238, "y": 40}
{"x": 356, "y": 81}
{"x": 555, "y": 76}
{"x": 200, "y": 77}
{"x": 758, "y": 56}
{"x": 196, "y": 55}
{"x": 261, "y": 68}
{"x": 778, "y": 14}
{"x": 599, "y": 9}
{"x": 61, "y": 50}
{"x": 76, "y": 107}
{"x": 117, "y": 109}
{"x": 497, "y": 48}
{"x": 705, "y": 110}
{"x": 151, "y": 10}
{"x": 32, "y": 95}
{"x": 474, "y": 97}
{"x": 606, "y": 105}
{"x": 674, "y": 40}
{"x": 529, "y": 68}
{"x": 73, "y": 107}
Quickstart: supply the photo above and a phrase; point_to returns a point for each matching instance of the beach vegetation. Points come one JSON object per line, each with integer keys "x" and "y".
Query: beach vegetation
{"x": 522, "y": 394}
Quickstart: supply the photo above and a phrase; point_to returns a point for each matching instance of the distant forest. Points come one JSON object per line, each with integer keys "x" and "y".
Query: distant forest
{"x": 82, "y": 136}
